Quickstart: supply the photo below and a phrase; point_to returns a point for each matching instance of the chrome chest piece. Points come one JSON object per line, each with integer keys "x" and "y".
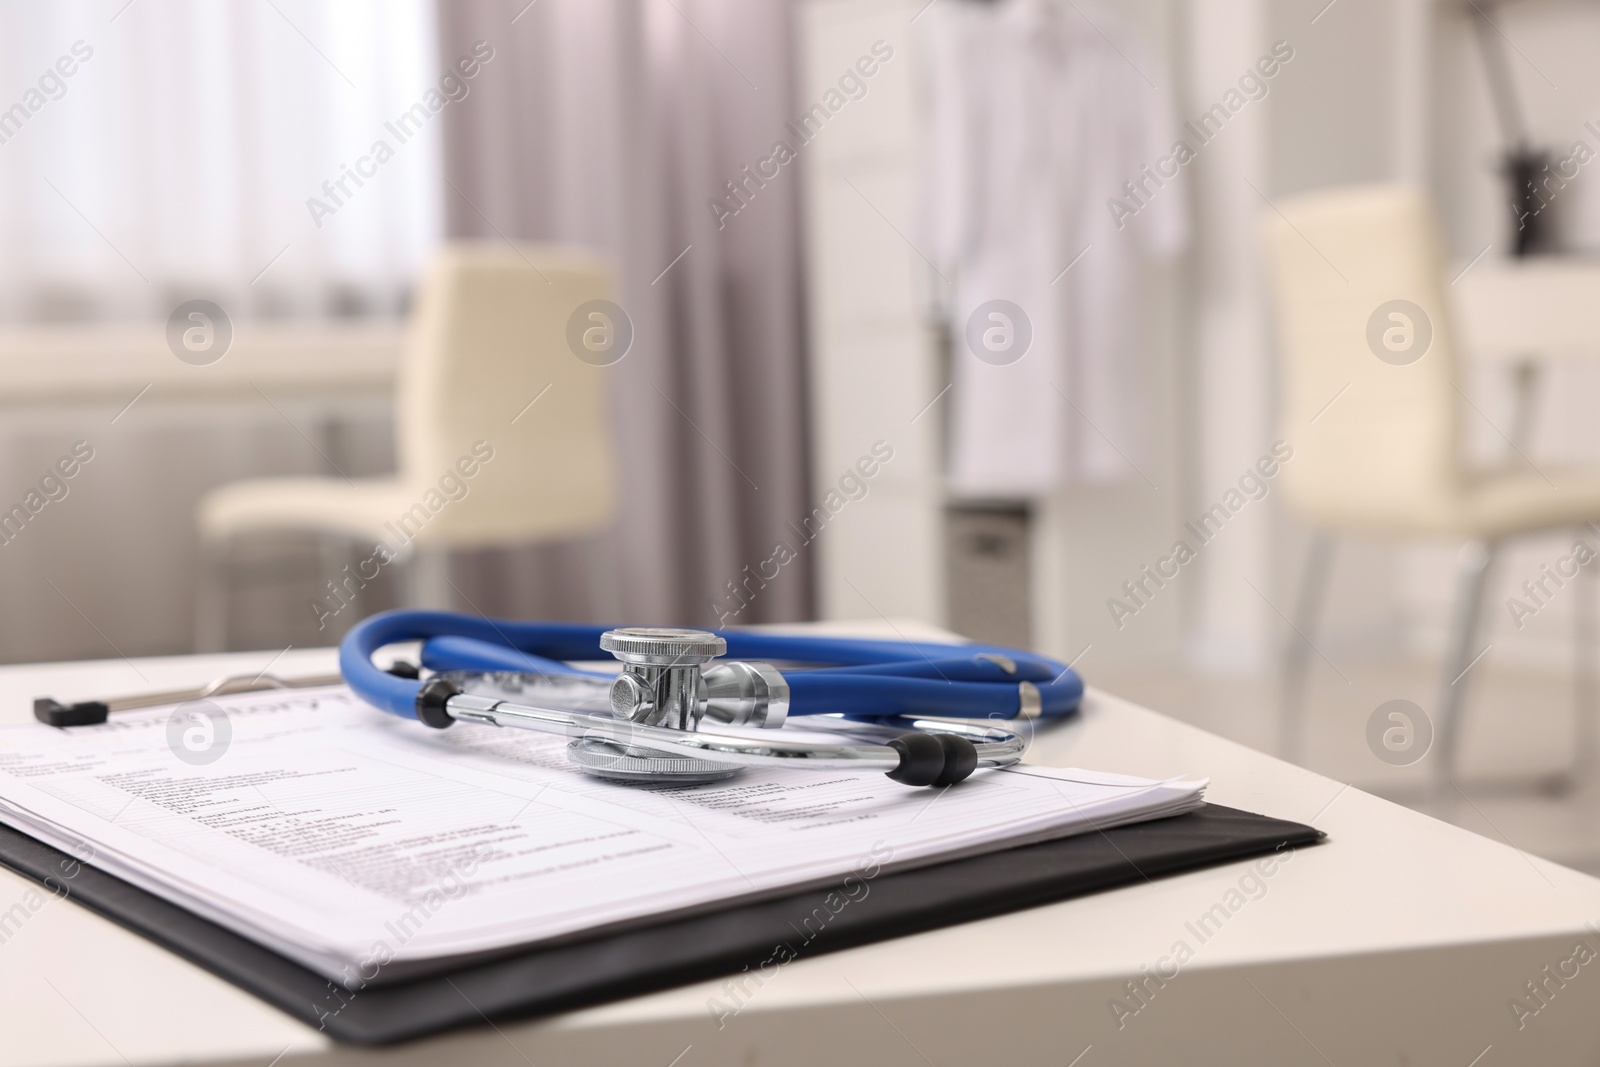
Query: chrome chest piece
{"x": 664, "y": 684}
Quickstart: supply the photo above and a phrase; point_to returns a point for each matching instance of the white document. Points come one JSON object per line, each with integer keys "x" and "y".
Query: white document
{"x": 351, "y": 840}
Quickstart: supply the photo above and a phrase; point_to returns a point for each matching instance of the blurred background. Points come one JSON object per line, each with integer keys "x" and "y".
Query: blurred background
{"x": 947, "y": 312}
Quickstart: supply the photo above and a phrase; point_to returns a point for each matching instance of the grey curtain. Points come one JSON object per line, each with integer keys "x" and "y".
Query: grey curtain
{"x": 612, "y": 123}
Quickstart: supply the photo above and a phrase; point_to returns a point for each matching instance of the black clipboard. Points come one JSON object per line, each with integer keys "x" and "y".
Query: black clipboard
{"x": 539, "y": 980}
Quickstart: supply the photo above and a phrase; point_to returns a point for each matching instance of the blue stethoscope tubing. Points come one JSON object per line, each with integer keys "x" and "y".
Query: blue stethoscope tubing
{"x": 845, "y": 676}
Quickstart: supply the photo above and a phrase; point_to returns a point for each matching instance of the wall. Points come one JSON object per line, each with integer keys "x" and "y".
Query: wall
{"x": 874, "y": 375}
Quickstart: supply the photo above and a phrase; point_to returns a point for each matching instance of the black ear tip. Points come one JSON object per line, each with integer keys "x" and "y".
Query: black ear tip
{"x": 432, "y": 701}
{"x": 84, "y": 713}
{"x": 921, "y": 758}
{"x": 960, "y": 759}
{"x": 933, "y": 759}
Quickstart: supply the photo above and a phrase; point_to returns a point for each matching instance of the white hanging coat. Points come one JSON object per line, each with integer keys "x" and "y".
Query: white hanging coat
{"x": 1036, "y": 121}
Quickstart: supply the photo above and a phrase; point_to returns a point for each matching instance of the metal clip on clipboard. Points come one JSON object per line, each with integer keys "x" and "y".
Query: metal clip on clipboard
{"x": 53, "y": 712}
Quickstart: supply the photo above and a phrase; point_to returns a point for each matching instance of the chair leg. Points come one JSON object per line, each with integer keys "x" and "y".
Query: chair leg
{"x": 1584, "y": 704}
{"x": 212, "y": 590}
{"x": 1475, "y": 562}
{"x": 427, "y": 579}
{"x": 1296, "y": 661}
{"x": 334, "y": 589}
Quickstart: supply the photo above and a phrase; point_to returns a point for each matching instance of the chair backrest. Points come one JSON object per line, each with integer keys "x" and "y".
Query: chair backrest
{"x": 488, "y": 372}
{"x": 1369, "y": 402}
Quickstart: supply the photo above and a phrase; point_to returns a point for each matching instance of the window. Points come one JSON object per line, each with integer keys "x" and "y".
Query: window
{"x": 162, "y": 151}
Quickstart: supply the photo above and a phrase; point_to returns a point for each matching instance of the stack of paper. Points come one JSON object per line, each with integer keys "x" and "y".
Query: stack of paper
{"x": 359, "y": 843}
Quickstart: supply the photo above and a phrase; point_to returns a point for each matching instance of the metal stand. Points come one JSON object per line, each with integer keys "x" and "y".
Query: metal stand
{"x": 427, "y": 579}
{"x": 1475, "y": 561}
{"x": 1297, "y": 646}
{"x": 211, "y": 598}
{"x": 1584, "y": 683}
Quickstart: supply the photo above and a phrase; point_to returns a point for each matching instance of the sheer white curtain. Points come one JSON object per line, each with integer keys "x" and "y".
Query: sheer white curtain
{"x": 177, "y": 157}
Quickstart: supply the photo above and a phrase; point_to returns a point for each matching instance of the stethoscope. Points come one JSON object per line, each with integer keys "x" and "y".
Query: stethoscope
{"x": 644, "y": 724}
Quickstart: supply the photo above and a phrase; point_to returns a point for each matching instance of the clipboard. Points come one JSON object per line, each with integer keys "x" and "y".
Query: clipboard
{"x": 576, "y": 972}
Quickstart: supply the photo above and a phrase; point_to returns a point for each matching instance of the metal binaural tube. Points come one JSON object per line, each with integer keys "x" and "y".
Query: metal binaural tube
{"x": 746, "y": 693}
{"x": 995, "y": 747}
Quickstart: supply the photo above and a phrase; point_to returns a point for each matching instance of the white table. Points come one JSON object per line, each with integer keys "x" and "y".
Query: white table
{"x": 1511, "y": 309}
{"x": 1398, "y": 941}
{"x": 111, "y": 363}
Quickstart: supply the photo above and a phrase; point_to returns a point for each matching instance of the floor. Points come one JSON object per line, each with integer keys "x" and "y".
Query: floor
{"x": 1518, "y": 741}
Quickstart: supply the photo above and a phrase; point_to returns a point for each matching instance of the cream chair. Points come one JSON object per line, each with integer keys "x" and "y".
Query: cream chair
{"x": 1376, "y": 441}
{"x": 487, "y": 371}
